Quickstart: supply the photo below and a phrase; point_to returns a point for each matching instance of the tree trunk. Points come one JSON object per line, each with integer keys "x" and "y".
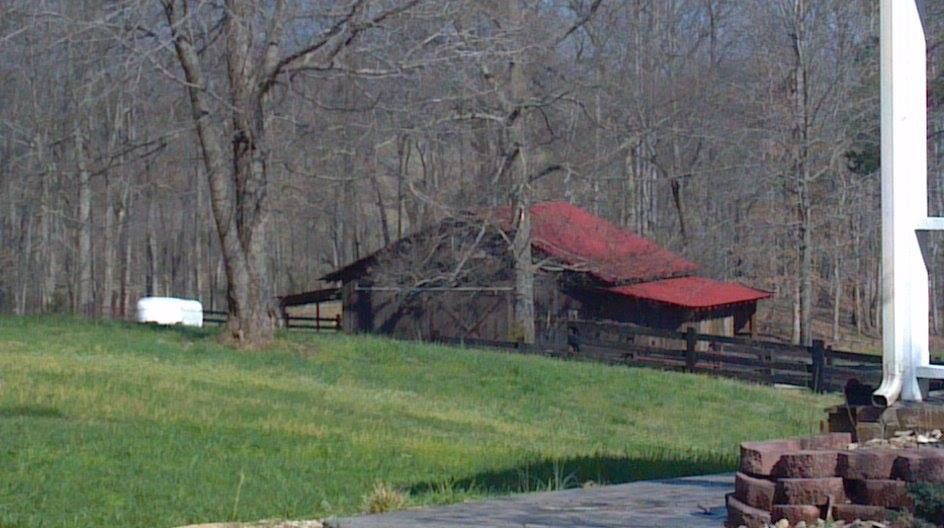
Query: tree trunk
{"x": 806, "y": 268}
{"x": 403, "y": 157}
{"x": 153, "y": 253}
{"x": 111, "y": 247}
{"x": 524, "y": 269}
{"x": 46, "y": 252}
{"x": 237, "y": 196}
{"x": 859, "y": 278}
{"x": 796, "y": 312}
{"x": 381, "y": 210}
{"x": 521, "y": 208}
{"x": 837, "y": 294}
{"x": 350, "y": 217}
{"x": 26, "y": 262}
{"x": 802, "y": 172}
{"x": 251, "y": 319}
{"x": 83, "y": 288}
{"x": 198, "y": 249}
{"x": 124, "y": 288}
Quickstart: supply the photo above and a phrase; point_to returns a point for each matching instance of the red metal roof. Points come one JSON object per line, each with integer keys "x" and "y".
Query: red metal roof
{"x": 692, "y": 292}
{"x": 603, "y": 249}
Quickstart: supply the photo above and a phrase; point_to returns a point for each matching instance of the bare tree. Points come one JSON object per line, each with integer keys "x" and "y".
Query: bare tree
{"x": 736, "y": 133}
{"x": 237, "y": 150}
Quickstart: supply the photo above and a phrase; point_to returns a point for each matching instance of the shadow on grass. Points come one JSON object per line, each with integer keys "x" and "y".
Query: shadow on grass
{"x": 30, "y": 411}
{"x": 188, "y": 333}
{"x": 557, "y": 474}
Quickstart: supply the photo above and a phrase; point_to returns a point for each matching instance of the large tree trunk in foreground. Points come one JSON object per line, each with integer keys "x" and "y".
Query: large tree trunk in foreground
{"x": 524, "y": 272}
{"x": 237, "y": 192}
{"x": 521, "y": 197}
{"x": 239, "y": 181}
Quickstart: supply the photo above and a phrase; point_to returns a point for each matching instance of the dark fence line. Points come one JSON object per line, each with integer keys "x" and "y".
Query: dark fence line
{"x": 767, "y": 362}
{"x": 291, "y": 322}
{"x": 817, "y": 367}
{"x": 214, "y": 317}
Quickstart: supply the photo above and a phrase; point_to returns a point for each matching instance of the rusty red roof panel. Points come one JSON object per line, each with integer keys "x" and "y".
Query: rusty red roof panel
{"x": 692, "y": 292}
{"x": 592, "y": 244}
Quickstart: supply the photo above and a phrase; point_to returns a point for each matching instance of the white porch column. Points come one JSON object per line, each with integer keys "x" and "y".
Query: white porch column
{"x": 904, "y": 202}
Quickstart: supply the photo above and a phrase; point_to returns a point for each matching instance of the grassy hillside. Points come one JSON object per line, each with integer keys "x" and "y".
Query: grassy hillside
{"x": 117, "y": 425}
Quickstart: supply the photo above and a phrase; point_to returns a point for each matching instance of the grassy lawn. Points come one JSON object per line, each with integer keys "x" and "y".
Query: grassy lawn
{"x": 116, "y": 425}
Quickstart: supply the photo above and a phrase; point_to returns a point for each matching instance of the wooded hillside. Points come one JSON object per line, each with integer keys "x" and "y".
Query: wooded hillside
{"x": 135, "y": 136}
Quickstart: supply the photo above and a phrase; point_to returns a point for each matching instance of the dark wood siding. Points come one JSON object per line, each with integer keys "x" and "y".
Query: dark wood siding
{"x": 431, "y": 315}
{"x": 486, "y": 314}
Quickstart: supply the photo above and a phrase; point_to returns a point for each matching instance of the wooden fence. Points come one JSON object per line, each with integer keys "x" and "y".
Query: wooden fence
{"x": 817, "y": 367}
{"x": 767, "y": 362}
{"x": 316, "y": 324}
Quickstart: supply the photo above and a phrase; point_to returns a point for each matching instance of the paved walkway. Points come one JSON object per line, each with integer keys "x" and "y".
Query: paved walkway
{"x": 692, "y": 502}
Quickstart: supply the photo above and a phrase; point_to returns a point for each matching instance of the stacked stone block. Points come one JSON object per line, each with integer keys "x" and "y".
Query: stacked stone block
{"x": 803, "y": 479}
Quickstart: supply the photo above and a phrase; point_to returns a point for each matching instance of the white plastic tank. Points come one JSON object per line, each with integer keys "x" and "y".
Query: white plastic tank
{"x": 169, "y": 311}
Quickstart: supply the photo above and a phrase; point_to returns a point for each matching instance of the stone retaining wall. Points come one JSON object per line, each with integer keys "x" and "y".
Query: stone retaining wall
{"x": 800, "y": 479}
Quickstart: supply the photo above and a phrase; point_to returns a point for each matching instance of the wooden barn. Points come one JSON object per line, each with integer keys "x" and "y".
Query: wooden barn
{"x": 453, "y": 280}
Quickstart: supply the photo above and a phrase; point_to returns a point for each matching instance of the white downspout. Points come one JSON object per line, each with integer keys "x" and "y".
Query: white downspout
{"x": 904, "y": 202}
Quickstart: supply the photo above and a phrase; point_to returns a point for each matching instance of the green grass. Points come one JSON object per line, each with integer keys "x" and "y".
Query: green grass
{"x": 109, "y": 424}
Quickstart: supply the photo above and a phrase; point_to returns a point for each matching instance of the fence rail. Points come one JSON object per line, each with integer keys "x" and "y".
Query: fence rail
{"x": 316, "y": 324}
{"x": 767, "y": 362}
{"x": 816, "y": 366}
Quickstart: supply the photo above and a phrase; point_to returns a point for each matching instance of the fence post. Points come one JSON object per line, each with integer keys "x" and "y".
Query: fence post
{"x": 317, "y": 317}
{"x": 690, "y": 349}
{"x": 283, "y": 316}
{"x": 337, "y": 322}
{"x": 818, "y": 355}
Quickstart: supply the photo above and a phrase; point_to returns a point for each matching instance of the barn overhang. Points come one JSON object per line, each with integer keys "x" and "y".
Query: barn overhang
{"x": 692, "y": 293}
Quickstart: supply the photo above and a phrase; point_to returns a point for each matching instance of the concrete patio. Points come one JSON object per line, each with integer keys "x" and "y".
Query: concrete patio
{"x": 691, "y": 502}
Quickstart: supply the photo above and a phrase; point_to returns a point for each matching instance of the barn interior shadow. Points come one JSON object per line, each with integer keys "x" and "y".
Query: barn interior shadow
{"x": 555, "y": 474}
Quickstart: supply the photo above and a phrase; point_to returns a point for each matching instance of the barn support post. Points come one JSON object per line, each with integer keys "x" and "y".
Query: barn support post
{"x": 348, "y": 305}
{"x": 690, "y": 342}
